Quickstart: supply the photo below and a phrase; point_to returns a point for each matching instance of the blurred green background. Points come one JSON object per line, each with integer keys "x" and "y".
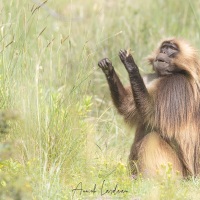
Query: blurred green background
{"x": 67, "y": 130}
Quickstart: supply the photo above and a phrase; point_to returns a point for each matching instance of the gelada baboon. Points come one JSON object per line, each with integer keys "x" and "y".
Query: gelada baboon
{"x": 165, "y": 108}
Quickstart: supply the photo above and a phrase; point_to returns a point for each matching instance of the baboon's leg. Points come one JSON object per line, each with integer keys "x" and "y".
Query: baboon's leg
{"x": 154, "y": 155}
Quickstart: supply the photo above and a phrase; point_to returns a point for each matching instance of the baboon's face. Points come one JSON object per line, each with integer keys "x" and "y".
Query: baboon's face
{"x": 163, "y": 62}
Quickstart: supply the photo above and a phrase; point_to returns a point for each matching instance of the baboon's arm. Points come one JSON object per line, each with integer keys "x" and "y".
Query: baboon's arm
{"x": 122, "y": 97}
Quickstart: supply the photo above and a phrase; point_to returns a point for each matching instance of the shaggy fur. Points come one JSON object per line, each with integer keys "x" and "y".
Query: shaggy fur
{"x": 168, "y": 123}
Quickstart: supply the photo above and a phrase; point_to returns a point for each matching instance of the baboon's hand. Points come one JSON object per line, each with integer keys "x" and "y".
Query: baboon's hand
{"x": 127, "y": 60}
{"x": 106, "y": 65}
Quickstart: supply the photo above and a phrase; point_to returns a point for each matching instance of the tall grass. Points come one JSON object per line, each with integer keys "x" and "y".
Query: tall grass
{"x": 68, "y": 131}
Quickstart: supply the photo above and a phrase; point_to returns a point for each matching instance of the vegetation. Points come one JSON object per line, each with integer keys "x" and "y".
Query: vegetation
{"x": 67, "y": 132}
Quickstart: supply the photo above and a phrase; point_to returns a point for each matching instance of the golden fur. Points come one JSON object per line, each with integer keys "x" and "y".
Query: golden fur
{"x": 171, "y": 131}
